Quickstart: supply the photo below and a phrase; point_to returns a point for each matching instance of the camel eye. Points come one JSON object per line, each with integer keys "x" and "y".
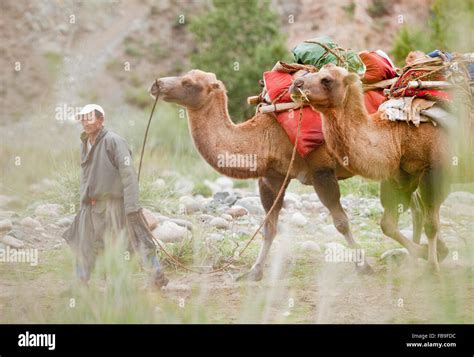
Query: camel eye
{"x": 187, "y": 82}
{"x": 326, "y": 81}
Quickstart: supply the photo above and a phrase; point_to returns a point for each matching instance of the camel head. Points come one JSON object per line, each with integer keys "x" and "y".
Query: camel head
{"x": 191, "y": 90}
{"x": 325, "y": 89}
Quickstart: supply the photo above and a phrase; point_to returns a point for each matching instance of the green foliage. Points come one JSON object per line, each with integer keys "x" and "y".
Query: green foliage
{"x": 350, "y": 9}
{"x": 238, "y": 43}
{"x": 410, "y": 39}
{"x": 55, "y": 62}
{"x": 379, "y": 8}
{"x": 359, "y": 187}
{"x": 447, "y": 29}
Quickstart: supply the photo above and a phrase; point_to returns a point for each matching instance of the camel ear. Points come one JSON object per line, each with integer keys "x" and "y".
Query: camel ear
{"x": 351, "y": 78}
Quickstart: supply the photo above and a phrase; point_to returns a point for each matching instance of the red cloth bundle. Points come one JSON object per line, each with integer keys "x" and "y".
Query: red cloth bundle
{"x": 400, "y": 88}
{"x": 311, "y": 132}
{"x": 377, "y": 69}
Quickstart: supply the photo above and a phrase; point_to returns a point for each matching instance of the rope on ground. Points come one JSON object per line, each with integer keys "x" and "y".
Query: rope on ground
{"x": 232, "y": 260}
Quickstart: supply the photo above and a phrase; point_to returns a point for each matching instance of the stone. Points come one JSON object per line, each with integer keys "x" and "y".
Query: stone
{"x": 182, "y": 222}
{"x": 309, "y": 245}
{"x": 189, "y": 205}
{"x": 205, "y": 218}
{"x": 313, "y": 197}
{"x": 13, "y": 242}
{"x": 64, "y": 222}
{"x": 150, "y": 218}
{"x": 329, "y": 230}
{"x": 227, "y": 217}
{"x": 6, "y": 225}
{"x": 15, "y": 233}
{"x": 251, "y": 204}
{"x": 8, "y": 214}
{"x": 292, "y": 200}
{"x": 170, "y": 232}
{"x": 221, "y": 196}
{"x": 237, "y": 211}
{"x": 31, "y": 222}
{"x": 219, "y": 222}
{"x": 298, "y": 219}
{"x": 48, "y": 210}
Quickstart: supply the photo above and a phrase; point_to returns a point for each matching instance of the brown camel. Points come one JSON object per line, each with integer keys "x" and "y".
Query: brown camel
{"x": 215, "y": 134}
{"x": 403, "y": 157}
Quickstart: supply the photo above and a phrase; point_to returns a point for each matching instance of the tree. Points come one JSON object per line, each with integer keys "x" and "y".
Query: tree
{"x": 238, "y": 41}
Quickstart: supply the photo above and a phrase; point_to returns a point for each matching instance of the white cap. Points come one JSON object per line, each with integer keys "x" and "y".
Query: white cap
{"x": 90, "y": 108}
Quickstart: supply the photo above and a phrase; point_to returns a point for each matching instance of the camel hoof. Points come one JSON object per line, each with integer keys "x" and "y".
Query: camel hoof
{"x": 251, "y": 275}
{"x": 364, "y": 269}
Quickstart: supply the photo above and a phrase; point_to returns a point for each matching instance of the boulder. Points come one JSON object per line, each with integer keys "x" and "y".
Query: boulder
{"x": 219, "y": 222}
{"x": 189, "y": 205}
{"x": 182, "y": 222}
{"x": 30, "y": 222}
{"x": 237, "y": 211}
{"x": 298, "y": 219}
{"x": 13, "y": 242}
{"x": 64, "y": 222}
{"x": 5, "y": 225}
{"x": 170, "y": 232}
{"x": 48, "y": 210}
{"x": 251, "y": 204}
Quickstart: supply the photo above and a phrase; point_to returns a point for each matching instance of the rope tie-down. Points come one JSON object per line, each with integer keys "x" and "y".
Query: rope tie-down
{"x": 232, "y": 259}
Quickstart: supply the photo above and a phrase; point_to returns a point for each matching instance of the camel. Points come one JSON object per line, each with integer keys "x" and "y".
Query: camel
{"x": 404, "y": 158}
{"x": 215, "y": 134}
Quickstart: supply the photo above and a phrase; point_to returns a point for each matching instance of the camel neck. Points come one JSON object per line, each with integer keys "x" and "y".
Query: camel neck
{"x": 353, "y": 136}
{"x": 217, "y": 138}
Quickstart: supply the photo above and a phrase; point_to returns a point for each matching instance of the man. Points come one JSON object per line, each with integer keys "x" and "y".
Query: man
{"x": 108, "y": 198}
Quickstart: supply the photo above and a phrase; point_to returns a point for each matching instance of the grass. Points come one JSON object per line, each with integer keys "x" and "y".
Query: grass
{"x": 54, "y": 63}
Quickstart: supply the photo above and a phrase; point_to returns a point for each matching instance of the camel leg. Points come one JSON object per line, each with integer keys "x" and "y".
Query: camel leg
{"x": 327, "y": 188}
{"x": 433, "y": 191}
{"x": 269, "y": 188}
{"x": 395, "y": 200}
{"x": 418, "y": 217}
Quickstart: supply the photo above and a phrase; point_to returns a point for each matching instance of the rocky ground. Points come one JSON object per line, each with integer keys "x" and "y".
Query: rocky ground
{"x": 204, "y": 231}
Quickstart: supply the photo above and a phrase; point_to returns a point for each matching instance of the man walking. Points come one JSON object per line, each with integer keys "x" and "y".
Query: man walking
{"x": 108, "y": 198}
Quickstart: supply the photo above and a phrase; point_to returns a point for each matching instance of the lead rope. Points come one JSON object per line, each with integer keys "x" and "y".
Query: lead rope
{"x": 232, "y": 260}
{"x": 146, "y": 131}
